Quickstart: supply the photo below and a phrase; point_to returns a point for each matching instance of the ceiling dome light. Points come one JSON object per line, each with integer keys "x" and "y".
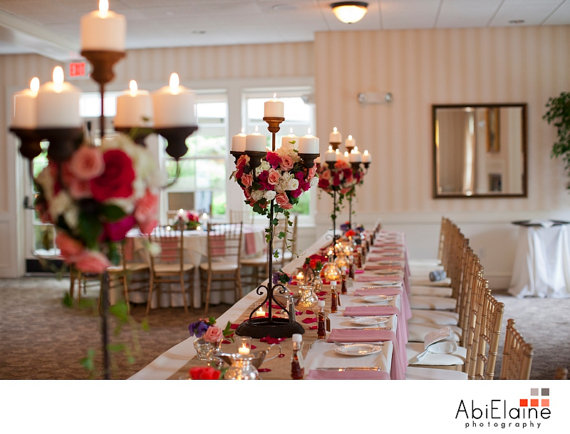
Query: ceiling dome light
{"x": 349, "y": 12}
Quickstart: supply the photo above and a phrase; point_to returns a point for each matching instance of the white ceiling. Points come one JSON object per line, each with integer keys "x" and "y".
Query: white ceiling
{"x": 51, "y": 27}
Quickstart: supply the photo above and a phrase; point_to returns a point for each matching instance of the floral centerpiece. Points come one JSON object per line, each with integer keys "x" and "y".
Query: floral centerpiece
{"x": 340, "y": 177}
{"x": 189, "y": 219}
{"x": 96, "y": 197}
{"x": 280, "y": 176}
{"x": 207, "y": 329}
{"x": 315, "y": 262}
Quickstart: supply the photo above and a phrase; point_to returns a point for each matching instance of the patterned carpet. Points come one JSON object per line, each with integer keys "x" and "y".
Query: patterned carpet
{"x": 40, "y": 338}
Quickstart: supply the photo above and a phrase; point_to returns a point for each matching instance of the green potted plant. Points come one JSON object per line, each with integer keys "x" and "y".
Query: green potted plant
{"x": 558, "y": 114}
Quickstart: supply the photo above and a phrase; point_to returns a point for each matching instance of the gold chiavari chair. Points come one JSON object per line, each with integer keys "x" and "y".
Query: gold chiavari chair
{"x": 517, "y": 355}
{"x": 169, "y": 267}
{"x": 129, "y": 274}
{"x": 223, "y": 264}
{"x": 483, "y": 340}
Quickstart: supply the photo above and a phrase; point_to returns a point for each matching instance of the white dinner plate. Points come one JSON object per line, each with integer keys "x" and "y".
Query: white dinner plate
{"x": 373, "y": 285}
{"x": 370, "y": 320}
{"x": 358, "y": 349}
{"x": 377, "y": 299}
{"x": 388, "y": 272}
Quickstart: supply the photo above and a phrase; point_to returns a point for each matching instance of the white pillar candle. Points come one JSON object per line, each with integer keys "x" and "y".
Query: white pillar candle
{"x": 255, "y": 142}
{"x": 286, "y": 141}
{"x": 133, "y": 107}
{"x": 355, "y": 155}
{"x": 238, "y": 142}
{"x": 338, "y": 155}
{"x": 58, "y": 103}
{"x": 366, "y": 157}
{"x": 350, "y": 142}
{"x": 330, "y": 155}
{"x": 345, "y": 157}
{"x": 103, "y": 29}
{"x": 308, "y": 144}
{"x": 24, "y": 110}
{"x": 273, "y": 108}
{"x": 173, "y": 105}
{"x": 335, "y": 136}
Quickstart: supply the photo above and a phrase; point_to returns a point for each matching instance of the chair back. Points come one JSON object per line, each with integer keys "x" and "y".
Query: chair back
{"x": 171, "y": 242}
{"x": 517, "y": 355}
{"x": 224, "y": 242}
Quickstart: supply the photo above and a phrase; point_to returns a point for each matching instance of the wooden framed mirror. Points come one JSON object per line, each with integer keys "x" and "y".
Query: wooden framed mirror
{"x": 479, "y": 150}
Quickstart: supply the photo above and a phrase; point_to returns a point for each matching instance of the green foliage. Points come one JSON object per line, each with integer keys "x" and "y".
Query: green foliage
{"x": 558, "y": 114}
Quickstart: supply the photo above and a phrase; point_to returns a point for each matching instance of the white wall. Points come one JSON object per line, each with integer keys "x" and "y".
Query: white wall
{"x": 448, "y": 66}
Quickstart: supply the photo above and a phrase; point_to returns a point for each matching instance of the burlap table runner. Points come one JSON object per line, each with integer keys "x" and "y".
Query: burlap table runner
{"x": 280, "y": 367}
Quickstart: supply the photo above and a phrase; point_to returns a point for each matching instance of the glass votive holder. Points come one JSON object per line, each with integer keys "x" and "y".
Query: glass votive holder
{"x": 244, "y": 345}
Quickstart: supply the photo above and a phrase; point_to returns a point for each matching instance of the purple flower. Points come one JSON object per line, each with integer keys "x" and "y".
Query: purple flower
{"x": 198, "y": 328}
{"x": 345, "y": 226}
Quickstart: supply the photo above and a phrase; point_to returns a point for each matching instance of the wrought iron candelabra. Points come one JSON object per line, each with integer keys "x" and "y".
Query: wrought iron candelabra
{"x": 275, "y": 327}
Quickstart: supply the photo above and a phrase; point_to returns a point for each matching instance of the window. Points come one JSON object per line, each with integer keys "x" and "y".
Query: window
{"x": 299, "y": 120}
{"x": 202, "y": 182}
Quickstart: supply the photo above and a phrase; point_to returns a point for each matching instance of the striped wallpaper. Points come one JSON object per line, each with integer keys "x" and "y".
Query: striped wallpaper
{"x": 425, "y": 67}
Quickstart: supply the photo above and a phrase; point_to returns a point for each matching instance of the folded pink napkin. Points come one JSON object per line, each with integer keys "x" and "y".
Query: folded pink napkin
{"x": 378, "y": 258}
{"x": 378, "y": 278}
{"x": 315, "y": 374}
{"x": 360, "y": 335}
{"x": 382, "y": 267}
{"x": 370, "y": 310}
{"x": 377, "y": 291}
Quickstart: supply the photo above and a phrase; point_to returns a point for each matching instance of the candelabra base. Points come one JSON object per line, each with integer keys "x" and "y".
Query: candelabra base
{"x": 272, "y": 327}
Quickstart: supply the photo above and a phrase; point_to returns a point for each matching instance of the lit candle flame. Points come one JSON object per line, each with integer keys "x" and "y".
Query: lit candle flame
{"x": 366, "y": 152}
{"x": 133, "y": 87}
{"x": 57, "y": 77}
{"x": 174, "y": 83}
{"x": 350, "y": 137}
{"x": 330, "y": 148}
{"x": 103, "y": 8}
{"x": 335, "y": 130}
{"x": 35, "y": 85}
{"x": 346, "y": 154}
{"x": 355, "y": 149}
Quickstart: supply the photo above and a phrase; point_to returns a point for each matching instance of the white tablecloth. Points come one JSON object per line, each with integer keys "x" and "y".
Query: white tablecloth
{"x": 542, "y": 262}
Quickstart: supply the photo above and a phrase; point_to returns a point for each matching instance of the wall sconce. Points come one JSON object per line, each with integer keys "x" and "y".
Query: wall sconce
{"x": 349, "y": 12}
{"x": 374, "y": 98}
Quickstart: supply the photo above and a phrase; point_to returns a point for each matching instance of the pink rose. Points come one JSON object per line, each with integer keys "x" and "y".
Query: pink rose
{"x": 283, "y": 201}
{"x": 91, "y": 262}
{"x": 247, "y": 179}
{"x": 86, "y": 163}
{"x": 69, "y": 247}
{"x": 242, "y": 161}
{"x": 313, "y": 171}
{"x": 273, "y": 177}
{"x": 247, "y": 193}
{"x": 213, "y": 334}
{"x": 286, "y": 162}
{"x": 147, "y": 226}
{"x": 326, "y": 175}
{"x": 147, "y": 208}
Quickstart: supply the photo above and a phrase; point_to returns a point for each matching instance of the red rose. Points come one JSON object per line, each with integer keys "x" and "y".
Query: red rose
{"x": 117, "y": 179}
{"x": 204, "y": 373}
{"x": 117, "y": 231}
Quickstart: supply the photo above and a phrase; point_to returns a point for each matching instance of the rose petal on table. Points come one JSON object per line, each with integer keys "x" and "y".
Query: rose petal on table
{"x": 322, "y": 293}
{"x": 263, "y": 370}
{"x": 313, "y": 327}
{"x": 298, "y": 313}
{"x": 281, "y": 355}
{"x": 309, "y": 312}
{"x": 309, "y": 320}
{"x": 253, "y": 347}
{"x": 234, "y": 326}
{"x": 225, "y": 341}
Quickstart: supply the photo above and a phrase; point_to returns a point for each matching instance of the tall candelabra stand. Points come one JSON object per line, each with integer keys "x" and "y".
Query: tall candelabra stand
{"x": 63, "y": 142}
{"x": 355, "y": 167}
{"x": 259, "y": 327}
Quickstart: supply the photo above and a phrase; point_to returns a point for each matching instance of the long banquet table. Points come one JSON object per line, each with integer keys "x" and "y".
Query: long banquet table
{"x": 385, "y": 273}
